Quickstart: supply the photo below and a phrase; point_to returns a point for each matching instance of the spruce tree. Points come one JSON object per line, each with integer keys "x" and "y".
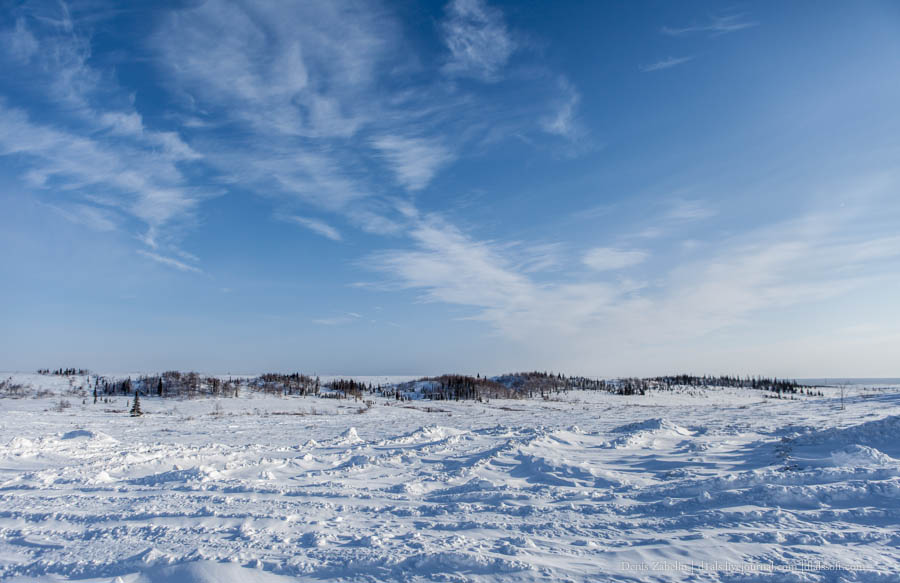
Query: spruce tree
{"x": 136, "y": 408}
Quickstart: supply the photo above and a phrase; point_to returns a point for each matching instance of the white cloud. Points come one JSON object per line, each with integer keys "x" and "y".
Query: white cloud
{"x": 94, "y": 218}
{"x": 715, "y": 26}
{"x": 607, "y": 258}
{"x": 94, "y": 145}
{"x": 666, "y": 63}
{"x": 301, "y": 69}
{"x": 477, "y": 38}
{"x": 317, "y": 226}
{"x": 594, "y": 212}
{"x": 563, "y": 120}
{"x": 19, "y": 43}
{"x": 123, "y": 123}
{"x": 650, "y": 233}
{"x": 151, "y": 188}
{"x": 413, "y": 160}
{"x": 169, "y": 261}
{"x": 540, "y": 257}
{"x": 453, "y": 268}
{"x": 296, "y": 81}
{"x": 346, "y": 318}
{"x": 302, "y": 86}
{"x": 603, "y": 321}
{"x": 299, "y": 87}
{"x": 689, "y": 210}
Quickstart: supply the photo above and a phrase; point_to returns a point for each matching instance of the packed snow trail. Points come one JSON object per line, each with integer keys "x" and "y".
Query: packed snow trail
{"x": 714, "y": 485}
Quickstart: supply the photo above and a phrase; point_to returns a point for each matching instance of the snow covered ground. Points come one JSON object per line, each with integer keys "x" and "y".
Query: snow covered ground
{"x": 699, "y": 485}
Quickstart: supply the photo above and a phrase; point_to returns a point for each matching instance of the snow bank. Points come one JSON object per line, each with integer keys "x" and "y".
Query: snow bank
{"x": 647, "y": 434}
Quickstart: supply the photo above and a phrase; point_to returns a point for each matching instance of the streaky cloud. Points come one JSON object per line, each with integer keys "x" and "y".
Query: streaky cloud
{"x": 344, "y": 319}
{"x": 414, "y": 161}
{"x": 608, "y": 258}
{"x": 667, "y": 63}
{"x": 169, "y": 261}
{"x": 794, "y": 262}
{"x": 715, "y": 26}
{"x": 316, "y": 226}
{"x": 689, "y": 210}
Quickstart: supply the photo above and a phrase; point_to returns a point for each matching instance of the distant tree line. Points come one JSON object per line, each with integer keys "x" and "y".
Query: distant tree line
{"x": 759, "y": 383}
{"x": 286, "y": 384}
{"x": 447, "y": 387}
{"x": 65, "y": 371}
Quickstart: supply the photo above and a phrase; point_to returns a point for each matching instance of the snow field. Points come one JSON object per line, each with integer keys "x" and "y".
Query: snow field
{"x": 703, "y": 485}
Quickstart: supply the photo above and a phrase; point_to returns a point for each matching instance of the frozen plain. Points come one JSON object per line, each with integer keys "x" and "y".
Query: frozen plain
{"x": 689, "y": 485}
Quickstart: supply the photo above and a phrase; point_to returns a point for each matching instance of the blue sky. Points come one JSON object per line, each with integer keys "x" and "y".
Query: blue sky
{"x": 406, "y": 188}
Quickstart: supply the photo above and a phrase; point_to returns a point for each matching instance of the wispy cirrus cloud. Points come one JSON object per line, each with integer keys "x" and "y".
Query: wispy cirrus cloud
{"x": 308, "y": 78}
{"x": 298, "y": 95}
{"x": 94, "y": 218}
{"x": 149, "y": 187}
{"x": 169, "y": 261}
{"x": 476, "y": 36}
{"x": 666, "y": 63}
{"x": 563, "y": 121}
{"x": 681, "y": 209}
{"x": 316, "y": 226}
{"x": 609, "y": 258}
{"x": 93, "y": 149}
{"x": 716, "y": 25}
{"x": 341, "y": 320}
{"x": 302, "y": 70}
{"x": 453, "y": 268}
{"x": 296, "y": 81}
{"x": 414, "y": 161}
{"x": 290, "y": 104}
{"x": 19, "y": 43}
{"x": 596, "y": 312}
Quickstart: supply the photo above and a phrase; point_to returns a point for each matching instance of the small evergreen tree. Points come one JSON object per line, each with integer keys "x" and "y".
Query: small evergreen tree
{"x": 136, "y": 407}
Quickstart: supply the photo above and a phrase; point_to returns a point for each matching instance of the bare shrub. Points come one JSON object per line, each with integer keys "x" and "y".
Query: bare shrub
{"x": 10, "y": 389}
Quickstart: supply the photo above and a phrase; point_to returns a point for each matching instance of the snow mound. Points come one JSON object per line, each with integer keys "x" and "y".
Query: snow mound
{"x": 657, "y": 424}
{"x": 209, "y": 572}
{"x": 644, "y": 434}
{"x": 358, "y": 461}
{"x": 427, "y": 433}
{"x": 102, "y": 477}
{"x": 557, "y": 471}
{"x": 883, "y": 434}
{"x": 349, "y": 437}
{"x": 98, "y": 436}
{"x": 195, "y": 474}
{"x": 415, "y": 488}
{"x": 571, "y": 437}
{"x": 20, "y": 443}
{"x": 314, "y": 540}
{"x": 442, "y": 562}
{"x": 861, "y": 456}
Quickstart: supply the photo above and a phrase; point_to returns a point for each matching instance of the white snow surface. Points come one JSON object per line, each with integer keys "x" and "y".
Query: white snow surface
{"x": 694, "y": 485}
